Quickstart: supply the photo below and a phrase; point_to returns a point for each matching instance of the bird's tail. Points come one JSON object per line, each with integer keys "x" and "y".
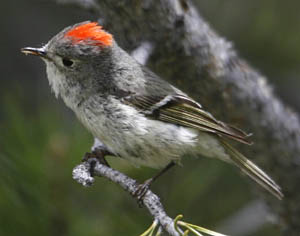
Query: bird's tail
{"x": 253, "y": 171}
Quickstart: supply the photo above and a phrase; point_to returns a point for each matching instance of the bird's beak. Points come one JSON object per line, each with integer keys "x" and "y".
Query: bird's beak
{"x": 35, "y": 51}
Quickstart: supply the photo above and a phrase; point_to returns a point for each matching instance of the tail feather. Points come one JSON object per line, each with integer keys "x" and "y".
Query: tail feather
{"x": 252, "y": 170}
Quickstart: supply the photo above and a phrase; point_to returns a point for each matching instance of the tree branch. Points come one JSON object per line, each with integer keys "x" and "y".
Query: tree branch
{"x": 210, "y": 70}
{"x": 151, "y": 201}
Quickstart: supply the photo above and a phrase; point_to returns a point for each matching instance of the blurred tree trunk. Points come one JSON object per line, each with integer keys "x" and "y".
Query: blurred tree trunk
{"x": 187, "y": 52}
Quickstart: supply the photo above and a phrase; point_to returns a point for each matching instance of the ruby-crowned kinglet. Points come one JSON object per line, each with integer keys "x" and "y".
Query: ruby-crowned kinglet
{"x": 134, "y": 113}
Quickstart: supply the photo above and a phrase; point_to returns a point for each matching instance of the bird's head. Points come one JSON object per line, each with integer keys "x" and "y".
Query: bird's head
{"x": 75, "y": 57}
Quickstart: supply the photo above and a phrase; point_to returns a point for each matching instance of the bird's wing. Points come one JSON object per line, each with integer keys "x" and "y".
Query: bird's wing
{"x": 182, "y": 110}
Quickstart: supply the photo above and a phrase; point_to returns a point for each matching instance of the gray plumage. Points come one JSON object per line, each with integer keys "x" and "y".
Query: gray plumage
{"x": 134, "y": 113}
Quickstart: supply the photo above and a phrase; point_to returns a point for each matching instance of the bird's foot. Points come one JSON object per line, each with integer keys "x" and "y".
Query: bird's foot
{"x": 141, "y": 191}
{"x": 98, "y": 154}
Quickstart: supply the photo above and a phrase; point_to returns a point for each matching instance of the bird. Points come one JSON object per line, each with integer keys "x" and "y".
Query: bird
{"x": 134, "y": 113}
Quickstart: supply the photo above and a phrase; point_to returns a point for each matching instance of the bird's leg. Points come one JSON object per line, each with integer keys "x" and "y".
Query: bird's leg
{"x": 143, "y": 188}
{"x": 98, "y": 153}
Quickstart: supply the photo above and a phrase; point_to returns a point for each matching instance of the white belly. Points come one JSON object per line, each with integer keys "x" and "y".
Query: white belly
{"x": 134, "y": 137}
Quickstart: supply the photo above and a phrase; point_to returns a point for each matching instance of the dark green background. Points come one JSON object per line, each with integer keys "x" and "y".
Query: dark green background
{"x": 41, "y": 141}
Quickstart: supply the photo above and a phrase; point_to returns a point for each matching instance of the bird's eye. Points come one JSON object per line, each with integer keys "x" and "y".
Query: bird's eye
{"x": 67, "y": 62}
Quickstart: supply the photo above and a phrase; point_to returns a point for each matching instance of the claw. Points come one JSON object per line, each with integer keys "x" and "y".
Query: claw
{"x": 141, "y": 191}
{"x": 95, "y": 154}
{"x": 87, "y": 156}
{"x": 143, "y": 188}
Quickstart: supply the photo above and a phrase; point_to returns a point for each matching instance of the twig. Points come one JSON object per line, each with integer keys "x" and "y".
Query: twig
{"x": 151, "y": 201}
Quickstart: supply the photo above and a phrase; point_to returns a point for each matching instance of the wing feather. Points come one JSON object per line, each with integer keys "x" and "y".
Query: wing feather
{"x": 182, "y": 110}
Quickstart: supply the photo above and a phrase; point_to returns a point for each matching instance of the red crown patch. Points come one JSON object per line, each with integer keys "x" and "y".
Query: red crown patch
{"x": 90, "y": 31}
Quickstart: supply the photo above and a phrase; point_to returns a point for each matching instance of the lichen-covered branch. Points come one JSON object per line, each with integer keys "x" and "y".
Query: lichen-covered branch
{"x": 190, "y": 54}
{"x": 81, "y": 174}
